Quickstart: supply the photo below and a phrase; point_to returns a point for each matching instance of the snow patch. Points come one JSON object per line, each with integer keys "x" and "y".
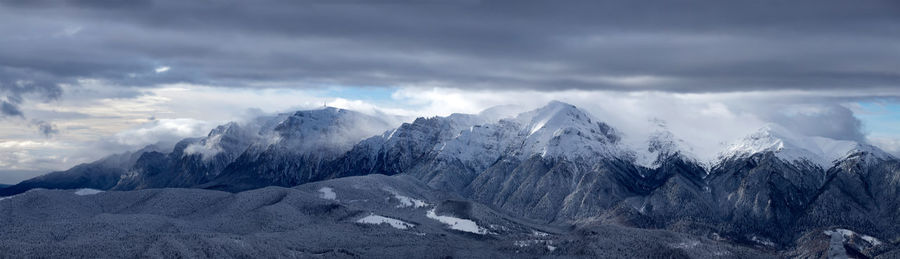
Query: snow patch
{"x": 377, "y": 220}
{"x": 459, "y": 224}
{"x": 87, "y": 191}
{"x": 686, "y": 244}
{"x": 409, "y": 202}
{"x": 872, "y": 240}
{"x": 847, "y": 234}
{"x": 406, "y": 201}
{"x": 762, "y": 241}
{"x": 539, "y": 233}
{"x": 327, "y": 193}
{"x": 526, "y": 243}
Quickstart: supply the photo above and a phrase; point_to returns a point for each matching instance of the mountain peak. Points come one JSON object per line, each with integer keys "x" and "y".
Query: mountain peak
{"x": 329, "y": 129}
{"x": 561, "y": 129}
{"x": 662, "y": 145}
{"x": 554, "y": 115}
{"x": 224, "y": 129}
{"x": 795, "y": 147}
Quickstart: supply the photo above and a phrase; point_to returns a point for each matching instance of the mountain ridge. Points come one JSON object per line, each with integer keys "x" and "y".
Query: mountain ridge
{"x": 556, "y": 164}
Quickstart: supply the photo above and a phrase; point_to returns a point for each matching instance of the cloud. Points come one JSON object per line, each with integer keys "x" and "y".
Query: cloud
{"x": 163, "y": 130}
{"x": 721, "y": 117}
{"x": 45, "y": 128}
{"x": 9, "y": 109}
{"x": 24, "y": 159}
{"x": 890, "y": 145}
{"x": 672, "y": 46}
{"x": 115, "y": 124}
{"x": 825, "y": 120}
{"x": 18, "y": 84}
{"x": 698, "y": 64}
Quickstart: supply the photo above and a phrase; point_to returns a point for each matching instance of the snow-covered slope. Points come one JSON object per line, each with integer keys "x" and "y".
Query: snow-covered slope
{"x": 794, "y": 147}
{"x": 230, "y": 138}
{"x": 299, "y": 149}
{"x": 479, "y": 146}
{"x": 327, "y": 130}
{"x": 562, "y": 130}
{"x": 557, "y": 130}
{"x": 661, "y": 145}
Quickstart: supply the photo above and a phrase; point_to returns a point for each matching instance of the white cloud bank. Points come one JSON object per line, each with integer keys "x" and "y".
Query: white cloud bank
{"x": 707, "y": 122}
{"x": 98, "y": 119}
{"x": 167, "y": 130}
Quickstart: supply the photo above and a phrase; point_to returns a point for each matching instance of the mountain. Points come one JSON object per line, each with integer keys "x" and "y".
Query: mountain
{"x": 859, "y": 195}
{"x": 102, "y": 174}
{"x": 372, "y": 216}
{"x": 298, "y": 149}
{"x": 662, "y": 145}
{"x": 794, "y": 148}
{"x": 405, "y": 149}
{"x": 772, "y": 179}
{"x": 555, "y": 166}
{"x": 267, "y": 146}
{"x": 559, "y": 158}
{"x": 680, "y": 191}
{"x": 561, "y": 130}
{"x": 191, "y": 162}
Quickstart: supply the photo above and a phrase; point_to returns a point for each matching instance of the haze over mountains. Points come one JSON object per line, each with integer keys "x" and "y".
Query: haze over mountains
{"x": 499, "y": 178}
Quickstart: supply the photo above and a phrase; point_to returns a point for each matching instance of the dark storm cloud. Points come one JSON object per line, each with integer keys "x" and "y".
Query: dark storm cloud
{"x": 676, "y": 46}
{"x": 45, "y": 128}
{"x": 831, "y": 121}
{"x": 9, "y": 109}
{"x": 813, "y": 115}
{"x": 18, "y": 83}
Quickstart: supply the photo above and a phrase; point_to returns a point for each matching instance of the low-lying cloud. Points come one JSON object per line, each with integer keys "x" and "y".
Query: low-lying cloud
{"x": 163, "y": 130}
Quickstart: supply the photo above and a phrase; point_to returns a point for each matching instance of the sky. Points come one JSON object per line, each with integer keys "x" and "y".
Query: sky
{"x": 83, "y": 79}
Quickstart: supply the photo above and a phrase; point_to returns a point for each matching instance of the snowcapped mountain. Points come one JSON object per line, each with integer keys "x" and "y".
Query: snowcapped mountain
{"x": 328, "y": 131}
{"x": 398, "y": 150}
{"x": 480, "y": 146}
{"x": 662, "y": 145}
{"x": 556, "y": 164}
{"x": 796, "y": 148}
{"x": 298, "y": 149}
{"x": 562, "y": 130}
{"x": 230, "y": 139}
{"x": 553, "y": 131}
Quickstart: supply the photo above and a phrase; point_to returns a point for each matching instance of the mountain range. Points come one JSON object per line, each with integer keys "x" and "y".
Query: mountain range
{"x": 550, "y": 181}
